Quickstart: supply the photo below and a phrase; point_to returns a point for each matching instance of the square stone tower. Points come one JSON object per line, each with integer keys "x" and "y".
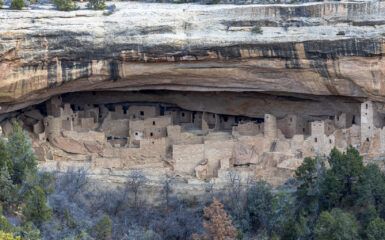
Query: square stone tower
{"x": 368, "y": 115}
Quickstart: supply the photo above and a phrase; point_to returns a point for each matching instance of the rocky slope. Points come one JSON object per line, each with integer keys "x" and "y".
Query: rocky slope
{"x": 315, "y": 49}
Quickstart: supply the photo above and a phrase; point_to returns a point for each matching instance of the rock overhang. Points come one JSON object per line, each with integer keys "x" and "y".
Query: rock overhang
{"x": 320, "y": 49}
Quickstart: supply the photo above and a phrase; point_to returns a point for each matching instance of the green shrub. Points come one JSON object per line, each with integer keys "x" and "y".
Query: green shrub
{"x": 97, "y": 4}
{"x": 21, "y": 152}
{"x": 259, "y": 199}
{"x": 8, "y": 191}
{"x": 211, "y": 2}
{"x": 5, "y": 225}
{"x": 111, "y": 10}
{"x": 5, "y": 156}
{"x": 17, "y": 4}
{"x": 102, "y": 229}
{"x": 65, "y": 5}
{"x": 36, "y": 208}
{"x": 336, "y": 225}
{"x": 376, "y": 230}
{"x": 256, "y": 30}
{"x": 1, "y": 3}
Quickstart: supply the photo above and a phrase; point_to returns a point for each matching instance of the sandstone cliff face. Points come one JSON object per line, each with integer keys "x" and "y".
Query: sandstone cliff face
{"x": 332, "y": 48}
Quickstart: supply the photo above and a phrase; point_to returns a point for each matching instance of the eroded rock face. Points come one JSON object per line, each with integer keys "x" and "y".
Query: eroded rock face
{"x": 305, "y": 77}
{"x": 314, "y": 49}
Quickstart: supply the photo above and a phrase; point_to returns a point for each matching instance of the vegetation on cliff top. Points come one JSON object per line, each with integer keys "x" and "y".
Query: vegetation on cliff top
{"x": 97, "y": 4}
{"x": 17, "y": 4}
{"x": 65, "y": 5}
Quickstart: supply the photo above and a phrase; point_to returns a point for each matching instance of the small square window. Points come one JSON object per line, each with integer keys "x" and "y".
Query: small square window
{"x": 141, "y": 113}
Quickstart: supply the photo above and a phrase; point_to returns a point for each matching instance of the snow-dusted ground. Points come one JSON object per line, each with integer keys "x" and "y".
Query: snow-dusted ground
{"x": 191, "y": 24}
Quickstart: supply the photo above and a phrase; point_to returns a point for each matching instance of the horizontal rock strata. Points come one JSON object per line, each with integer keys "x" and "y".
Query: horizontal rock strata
{"x": 332, "y": 49}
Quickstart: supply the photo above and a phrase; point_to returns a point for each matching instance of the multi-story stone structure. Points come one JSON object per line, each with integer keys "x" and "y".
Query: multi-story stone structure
{"x": 195, "y": 144}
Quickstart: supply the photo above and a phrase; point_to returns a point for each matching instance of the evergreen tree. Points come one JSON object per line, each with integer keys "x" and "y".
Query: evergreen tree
{"x": 8, "y": 191}
{"x": 281, "y": 212}
{"x": 339, "y": 187}
{"x": 97, "y": 4}
{"x": 310, "y": 175}
{"x": 376, "y": 230}
{"x": 336, "y": 225}
{"x": 371, "y": 189}
{"x": 368, "y": 215}
{"x": 102, "y": 229}
{"x": 44, "y": 180}
{"x": 21, "y": 154}
{"x": 65, "y": 5}
{"x": 295, "y": 230}
{"x": 17, "y": 4}
{"x": 5, "y": 156}
{"x": 259, "y": 204}
{"x": 36, "y": 208}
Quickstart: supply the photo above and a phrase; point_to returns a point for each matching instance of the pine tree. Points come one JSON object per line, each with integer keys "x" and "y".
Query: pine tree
{"x": 102, "y": 229}
{"x": 339, "y": 186}
{"x": 36, "y": 208}
{"x": 8, "y": 191}
{"x": 336, "y": 225}
{"x": 5, "y": 156}
{"x": 376, "y": 229}
{"x": 21, "y": 154}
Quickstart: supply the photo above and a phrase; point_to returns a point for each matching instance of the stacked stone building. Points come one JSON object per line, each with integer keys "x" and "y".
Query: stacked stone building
{"x": 192, "y": 144}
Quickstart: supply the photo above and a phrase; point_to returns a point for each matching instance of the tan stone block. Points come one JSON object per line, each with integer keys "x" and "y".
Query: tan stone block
{"x": 187, "y": 157}
{"x": 215, "y": 151}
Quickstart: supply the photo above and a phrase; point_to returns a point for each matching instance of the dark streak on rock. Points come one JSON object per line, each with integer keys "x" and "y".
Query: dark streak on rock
{"x": 52, "y": 74}
{"x": 114, "y": 71}
{"x": 81, "y": 67}
{"x": 320, "y": 52}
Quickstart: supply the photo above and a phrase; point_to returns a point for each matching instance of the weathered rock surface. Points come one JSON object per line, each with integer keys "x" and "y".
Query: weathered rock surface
{"x": 329, "y": 49}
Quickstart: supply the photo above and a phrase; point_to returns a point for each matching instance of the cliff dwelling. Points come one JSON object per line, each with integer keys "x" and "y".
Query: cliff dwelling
{"x": 109, "y": 131}
{"x": 160, "y": 90}
{"x": 188, "y": 119}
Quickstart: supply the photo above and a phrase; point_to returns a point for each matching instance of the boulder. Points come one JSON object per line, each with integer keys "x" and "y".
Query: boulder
{"x": 69, "y": 145}
{"x": 35, "y": 114}
{"x": 244, "y": 154}
{"x": 93, "y": 147}
{"x": 201, "y": 171}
